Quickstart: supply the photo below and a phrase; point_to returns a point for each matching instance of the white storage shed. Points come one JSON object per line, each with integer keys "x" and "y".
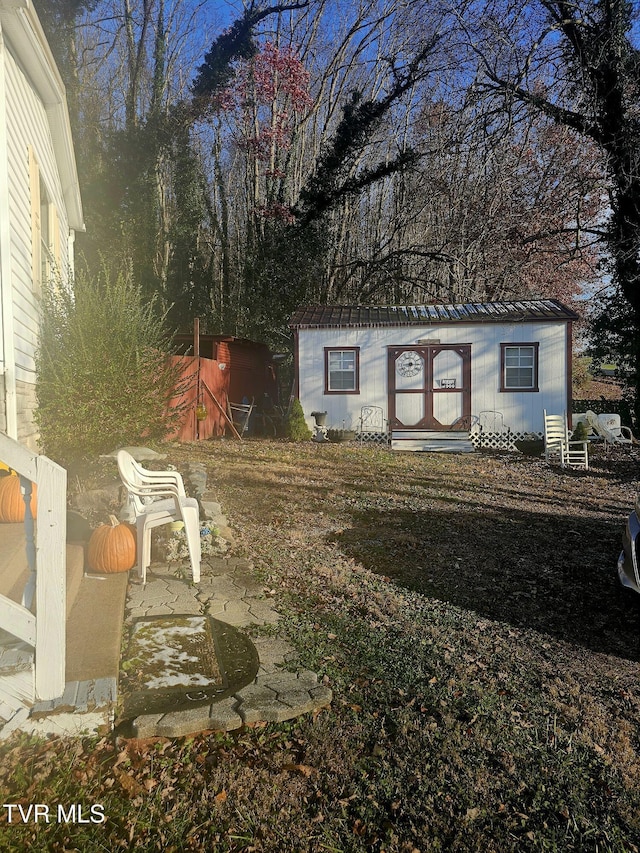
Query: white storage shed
{"x": 438, "y": 373}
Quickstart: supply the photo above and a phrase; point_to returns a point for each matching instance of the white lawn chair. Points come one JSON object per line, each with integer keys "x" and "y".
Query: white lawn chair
{"x": 558, "y": 447}
{"x": 609, "y": 428}
{"x": 157, "y": 498}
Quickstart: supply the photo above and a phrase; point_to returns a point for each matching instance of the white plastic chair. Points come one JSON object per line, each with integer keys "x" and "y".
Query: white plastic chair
{"x": 558, "y": 447}
{"x": 157, "y": 498}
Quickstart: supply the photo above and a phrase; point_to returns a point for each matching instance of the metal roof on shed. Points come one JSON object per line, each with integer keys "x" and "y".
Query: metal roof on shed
{"x": 354, "y": 316}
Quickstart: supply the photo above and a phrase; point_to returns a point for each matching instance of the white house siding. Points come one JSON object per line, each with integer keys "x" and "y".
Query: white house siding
{"x": 26, "y": 405}
{"x": 523, "y": 411}
{"x": 27, "y": 127}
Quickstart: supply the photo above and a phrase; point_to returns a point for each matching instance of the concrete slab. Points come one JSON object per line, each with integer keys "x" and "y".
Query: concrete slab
{"x": 94, "y": 628}
{"x": 232, "y": 594}
{"x": 70, "y": 724}
{"x": 275, "y": 695}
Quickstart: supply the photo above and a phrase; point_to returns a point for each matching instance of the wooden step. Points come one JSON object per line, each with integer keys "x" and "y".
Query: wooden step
{"x": 17, "y": 673}
{"x": 17, "y": 669}
{"x": 432, "y": 441}
{"x": 433, "y": 446}
{"x": 14, "y": 569}
{"x": 94, "y": 628}
{"x": 75, "y": 573}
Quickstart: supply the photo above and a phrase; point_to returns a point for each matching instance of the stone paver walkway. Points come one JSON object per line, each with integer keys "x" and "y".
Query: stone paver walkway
{"x": 228, "y": 592}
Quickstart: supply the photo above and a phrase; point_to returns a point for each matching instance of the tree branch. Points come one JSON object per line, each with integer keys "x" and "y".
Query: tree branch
{"x": 236, "y": 43}
{"x": 561, "y": 115}
{"x": 328, "y": 184}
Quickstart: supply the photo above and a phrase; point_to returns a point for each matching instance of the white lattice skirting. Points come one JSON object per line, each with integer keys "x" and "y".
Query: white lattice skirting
{"x": 373, "y": 437}
{"x": 501, "y": 440}
{"x": 481, "y": 440}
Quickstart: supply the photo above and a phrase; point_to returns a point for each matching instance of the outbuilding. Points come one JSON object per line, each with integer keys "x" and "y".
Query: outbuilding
{"x": 436, "y": 374}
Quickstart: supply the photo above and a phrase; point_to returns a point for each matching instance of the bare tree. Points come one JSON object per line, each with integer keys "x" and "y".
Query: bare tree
{"x": 324, "y": 157}
{"x": 576, "y": 63}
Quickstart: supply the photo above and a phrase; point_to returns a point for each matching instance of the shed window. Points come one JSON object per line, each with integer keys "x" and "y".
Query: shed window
{"x": 342, "y": 371}
{"x": 519, "y": 367}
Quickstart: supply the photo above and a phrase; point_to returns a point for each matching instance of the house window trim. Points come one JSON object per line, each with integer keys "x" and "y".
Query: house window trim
{"x": 36, "y": 232}
{"x": 535, "y": 345}
{"x": 333, "y": 391}
{"x": 45, "y": 241}
{"x": 47, "y": 230}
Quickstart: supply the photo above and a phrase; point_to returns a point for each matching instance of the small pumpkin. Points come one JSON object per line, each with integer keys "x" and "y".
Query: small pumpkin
{"x": 12, "y": 500}
{"x": 112, "y": 547}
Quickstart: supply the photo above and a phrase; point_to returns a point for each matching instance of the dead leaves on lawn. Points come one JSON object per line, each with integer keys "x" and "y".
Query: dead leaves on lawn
{"x": 484, "y": 699}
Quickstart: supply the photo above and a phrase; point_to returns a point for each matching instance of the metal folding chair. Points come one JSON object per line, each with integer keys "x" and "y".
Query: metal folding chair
{"x": 371, "y": 421}
{"x": 240, "y": 414}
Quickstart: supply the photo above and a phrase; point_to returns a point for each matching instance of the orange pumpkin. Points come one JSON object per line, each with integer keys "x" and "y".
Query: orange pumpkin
{"x": 112, "y": 548}
{"x": 12, "y": 500}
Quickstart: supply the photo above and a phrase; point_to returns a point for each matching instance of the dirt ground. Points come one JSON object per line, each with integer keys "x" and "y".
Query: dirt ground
{"x": 502, "y": 535}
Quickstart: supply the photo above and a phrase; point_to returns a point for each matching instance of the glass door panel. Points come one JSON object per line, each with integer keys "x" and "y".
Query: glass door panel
{"x": 409, "y": 409}
{"x": 447, "y": 408}
{"x": 447, "y": 370}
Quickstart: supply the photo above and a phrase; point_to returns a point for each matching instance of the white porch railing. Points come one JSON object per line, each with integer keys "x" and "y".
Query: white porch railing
{"x": 44, "y": 630}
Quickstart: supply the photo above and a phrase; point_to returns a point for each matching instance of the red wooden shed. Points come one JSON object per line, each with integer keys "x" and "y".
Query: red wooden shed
{"x": 224, "y": 369}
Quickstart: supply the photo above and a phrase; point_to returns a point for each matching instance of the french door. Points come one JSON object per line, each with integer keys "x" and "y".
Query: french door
{"x": 430, "y": 386}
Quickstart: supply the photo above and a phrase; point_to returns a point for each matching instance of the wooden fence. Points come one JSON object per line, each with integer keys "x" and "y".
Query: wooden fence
{"x": 207, "y": 385}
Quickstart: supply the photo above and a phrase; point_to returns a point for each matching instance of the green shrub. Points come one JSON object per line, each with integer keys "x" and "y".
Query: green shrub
{"x": 103, "y": 377}
{"x": 297, "y": 429}
{"x": 580, "y": 432}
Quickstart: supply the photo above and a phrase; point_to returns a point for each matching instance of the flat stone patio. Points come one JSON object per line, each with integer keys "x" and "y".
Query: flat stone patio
{"x": 228, "y": 592}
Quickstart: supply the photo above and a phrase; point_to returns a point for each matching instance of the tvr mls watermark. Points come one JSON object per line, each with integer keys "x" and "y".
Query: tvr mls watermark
{"x": 44, "y": 813}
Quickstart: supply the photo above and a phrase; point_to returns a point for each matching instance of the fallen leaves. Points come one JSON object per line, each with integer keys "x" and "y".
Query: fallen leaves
{"x": 128, "y": 783}
{"x": 302, "y": 769}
